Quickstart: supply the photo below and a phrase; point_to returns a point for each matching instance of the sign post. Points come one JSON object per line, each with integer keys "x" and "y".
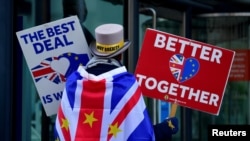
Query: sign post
{"x": 183, "y": 71}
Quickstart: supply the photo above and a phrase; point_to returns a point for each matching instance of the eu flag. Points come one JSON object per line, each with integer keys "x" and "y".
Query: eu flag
{"x": 44, "y": 69}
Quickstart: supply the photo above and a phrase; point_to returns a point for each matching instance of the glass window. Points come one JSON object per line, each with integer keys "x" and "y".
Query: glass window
{"x": 230, "y": 32}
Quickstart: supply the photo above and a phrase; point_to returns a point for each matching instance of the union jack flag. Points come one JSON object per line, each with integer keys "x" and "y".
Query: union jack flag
{"x": 107, "y": 107}
{"x": 183, "y": 69}
{"x": 44, "y": 69}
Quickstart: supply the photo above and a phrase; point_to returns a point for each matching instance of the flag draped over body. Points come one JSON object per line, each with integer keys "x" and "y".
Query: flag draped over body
{"x": 107, "y": 107}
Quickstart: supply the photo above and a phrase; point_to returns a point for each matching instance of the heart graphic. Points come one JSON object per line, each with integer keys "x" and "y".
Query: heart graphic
{"x": 61, "y": 66}
{"x": 183, "y": 69}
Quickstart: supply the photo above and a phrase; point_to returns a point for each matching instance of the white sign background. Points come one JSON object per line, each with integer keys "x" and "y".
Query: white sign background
{"x": 54, "y": 39}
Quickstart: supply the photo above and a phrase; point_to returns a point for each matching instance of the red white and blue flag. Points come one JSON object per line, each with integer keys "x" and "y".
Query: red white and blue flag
{"x": 44, "y": 69}
{"x": 107, "y": 107}
{"x": 182, "y": 68}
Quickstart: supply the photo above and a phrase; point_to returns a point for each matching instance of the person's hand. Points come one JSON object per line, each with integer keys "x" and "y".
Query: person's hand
{"x": 173, "y": 124}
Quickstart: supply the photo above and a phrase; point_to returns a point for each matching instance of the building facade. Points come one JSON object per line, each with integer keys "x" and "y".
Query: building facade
{"x": 224, "y": 24}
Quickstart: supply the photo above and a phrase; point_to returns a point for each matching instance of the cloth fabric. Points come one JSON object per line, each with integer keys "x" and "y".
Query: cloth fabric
{"x": 105, "y": 107}
{"x": 95, "y": 62}
{"x": 164, "y": 130}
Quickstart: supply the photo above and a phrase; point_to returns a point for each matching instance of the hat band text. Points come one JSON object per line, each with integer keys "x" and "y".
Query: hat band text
{"x": 108, "y": 48}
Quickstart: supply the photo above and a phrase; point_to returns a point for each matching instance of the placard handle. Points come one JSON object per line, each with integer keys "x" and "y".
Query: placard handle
{"x": 173, "y": 110}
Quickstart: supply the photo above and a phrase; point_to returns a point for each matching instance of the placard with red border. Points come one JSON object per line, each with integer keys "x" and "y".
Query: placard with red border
{"x": 183, "y": 71}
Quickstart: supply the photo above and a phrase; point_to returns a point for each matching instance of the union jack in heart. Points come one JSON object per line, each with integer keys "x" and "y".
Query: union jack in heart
{"x": 183, "y": 69}
{"x": 44, "y": 69}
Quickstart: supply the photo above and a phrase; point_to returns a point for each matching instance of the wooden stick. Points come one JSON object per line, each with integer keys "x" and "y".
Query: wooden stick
{"x": 173, "y": 110}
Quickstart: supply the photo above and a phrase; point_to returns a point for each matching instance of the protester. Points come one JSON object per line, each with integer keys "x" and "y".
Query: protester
{"x": 103, "y": 101}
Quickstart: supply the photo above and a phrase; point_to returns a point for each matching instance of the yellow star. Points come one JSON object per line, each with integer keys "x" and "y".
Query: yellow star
{"x": 76, "y": 57}
{"x": 170, "y": 124}
{"x": 90, "y": 119}
{"x": 57, "y": 139}
{"x": 114, "y": 129}
{"x": 65, "y": 124}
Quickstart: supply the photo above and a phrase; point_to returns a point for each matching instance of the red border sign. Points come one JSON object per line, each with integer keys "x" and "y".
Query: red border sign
{"x": 190, "y": 73}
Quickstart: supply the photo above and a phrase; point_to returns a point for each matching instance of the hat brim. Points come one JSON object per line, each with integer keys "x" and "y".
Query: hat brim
{"x": 93, "y": 50}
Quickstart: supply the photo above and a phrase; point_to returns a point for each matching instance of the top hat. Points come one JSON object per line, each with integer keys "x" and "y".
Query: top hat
{"x": 109, "y": 41}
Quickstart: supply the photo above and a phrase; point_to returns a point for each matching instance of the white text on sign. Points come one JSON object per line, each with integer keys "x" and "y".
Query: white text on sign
{"x": 206, "y": 53}
{"x": 182, "y": 91}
